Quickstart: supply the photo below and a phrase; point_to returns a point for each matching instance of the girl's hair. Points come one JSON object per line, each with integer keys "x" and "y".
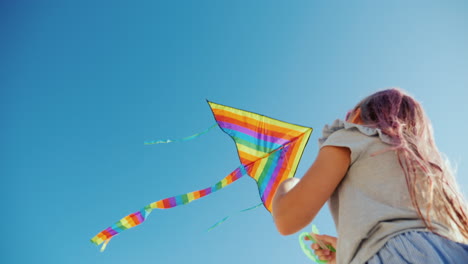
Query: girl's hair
{"x": 431, "y": 184}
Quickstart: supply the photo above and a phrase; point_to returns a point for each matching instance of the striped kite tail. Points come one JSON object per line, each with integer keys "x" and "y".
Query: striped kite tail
{"x": 139, "y": 217}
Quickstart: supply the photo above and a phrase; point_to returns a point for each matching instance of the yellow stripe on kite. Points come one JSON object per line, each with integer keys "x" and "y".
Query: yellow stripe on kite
{"x": 247, "y": 156}
{"x": 250, "y": 151}
{"x": 190, "y": 197}
{"x": 260, "y": 168}
{"x": 260, "y": 118}
{"x": 302, "y": 143}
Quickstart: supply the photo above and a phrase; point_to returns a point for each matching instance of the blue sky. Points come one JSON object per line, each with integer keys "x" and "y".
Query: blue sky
{"x": 85, "y": 83}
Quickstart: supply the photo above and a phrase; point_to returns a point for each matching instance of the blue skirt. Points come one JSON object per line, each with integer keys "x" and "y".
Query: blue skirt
{"x": 420, "y": 247}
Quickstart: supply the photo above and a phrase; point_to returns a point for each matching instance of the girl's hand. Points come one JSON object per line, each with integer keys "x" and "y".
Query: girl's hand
{"x": 326, "y": 254}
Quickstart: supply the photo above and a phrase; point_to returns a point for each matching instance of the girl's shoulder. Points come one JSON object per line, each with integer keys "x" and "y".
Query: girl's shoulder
{"x": 350, "y": 131}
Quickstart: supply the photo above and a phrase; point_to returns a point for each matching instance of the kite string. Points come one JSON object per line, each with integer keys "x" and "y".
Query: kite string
{"x": 160, "y": 141}
{"x": 227, "y": 217}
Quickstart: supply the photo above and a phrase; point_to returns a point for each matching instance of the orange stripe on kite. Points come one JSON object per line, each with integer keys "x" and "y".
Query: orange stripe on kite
{"x": 267, "y": 129}
{"x": 253, "y": 170}
{"x": 159, "y": 204}
{"x": 273, "y": 130}
{"x": 246, "y": 158}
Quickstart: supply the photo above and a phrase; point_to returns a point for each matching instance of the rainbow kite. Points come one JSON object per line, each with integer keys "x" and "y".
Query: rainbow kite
{"x": 269, "y": 151}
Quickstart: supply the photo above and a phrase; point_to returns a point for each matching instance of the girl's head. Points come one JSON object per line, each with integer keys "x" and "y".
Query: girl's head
{"x": 395, "y": 113}
{"x": 431, "y": 185}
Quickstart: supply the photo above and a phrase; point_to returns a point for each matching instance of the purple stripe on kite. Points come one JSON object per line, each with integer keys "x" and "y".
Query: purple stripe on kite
{"x": 252, "y": 133}
{"x": 111, "y": 231}
{"x": 172, "y": 201}
{"x": 207, "y": 190}
{"x": 140, "y": 217}
{"x": 237, "y": 175}
{"x": 267, "y": 191}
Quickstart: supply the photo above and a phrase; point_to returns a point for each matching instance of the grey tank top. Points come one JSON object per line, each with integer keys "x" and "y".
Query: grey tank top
{"x": 372, "y": 203}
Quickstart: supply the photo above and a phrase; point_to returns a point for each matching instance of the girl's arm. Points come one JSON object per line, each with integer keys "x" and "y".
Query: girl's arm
{"x": 296, "y": 203}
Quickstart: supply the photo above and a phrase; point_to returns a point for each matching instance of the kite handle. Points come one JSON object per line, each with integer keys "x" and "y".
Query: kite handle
{"x": 312, "y": 237}
{"x": 308, "y": 250}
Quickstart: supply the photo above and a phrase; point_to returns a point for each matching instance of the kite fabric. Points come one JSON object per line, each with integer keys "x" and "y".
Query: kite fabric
{"x": 269, "y": 151}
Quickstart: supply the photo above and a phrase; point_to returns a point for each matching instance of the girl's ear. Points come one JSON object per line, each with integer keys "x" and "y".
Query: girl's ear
{"x": 355, "y": 117}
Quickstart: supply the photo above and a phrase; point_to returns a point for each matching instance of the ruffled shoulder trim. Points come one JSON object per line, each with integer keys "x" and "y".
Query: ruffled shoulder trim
{"x": 339, "y": 124}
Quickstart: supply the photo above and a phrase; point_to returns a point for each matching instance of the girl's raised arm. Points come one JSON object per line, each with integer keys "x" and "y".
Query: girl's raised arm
{"x": 297, "y": 202}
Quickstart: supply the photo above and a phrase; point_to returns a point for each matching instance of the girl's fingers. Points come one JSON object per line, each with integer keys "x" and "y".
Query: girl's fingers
{"x": 324, "y": 257}
{"x": 321, "y": 252}
{"x": 328, "y": 239}
{"x": 324, "y": 253}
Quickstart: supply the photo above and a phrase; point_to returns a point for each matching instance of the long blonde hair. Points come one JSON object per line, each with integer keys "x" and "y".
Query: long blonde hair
{"x": 430, "y": 180}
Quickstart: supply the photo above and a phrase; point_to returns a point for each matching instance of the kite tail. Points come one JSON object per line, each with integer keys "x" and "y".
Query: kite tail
{"x": 139, "y": 217}
{"x": 183, "y": 139}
